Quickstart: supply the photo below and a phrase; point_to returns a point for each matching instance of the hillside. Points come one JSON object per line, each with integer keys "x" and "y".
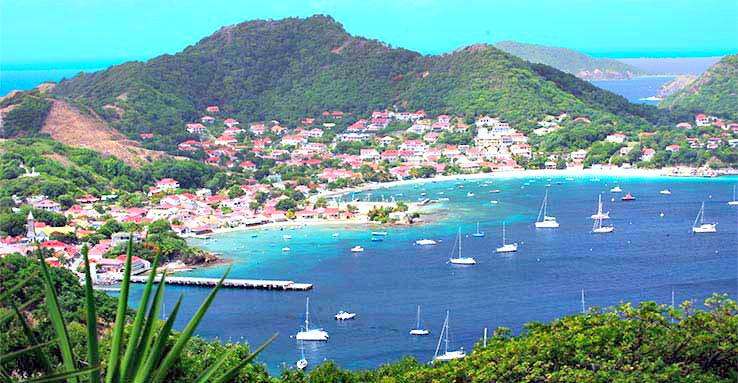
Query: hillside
{"x": 570, "y": 61}
{"x": 293, "y": 68}
{"x": 29, "y": 114}
{"x": 715, "y": 92}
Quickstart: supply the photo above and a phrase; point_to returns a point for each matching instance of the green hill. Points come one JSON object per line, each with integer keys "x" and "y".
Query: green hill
{"x": 570, "y": 61}
{"x": 715, "y": 92}
{"x": 293, "y": 68}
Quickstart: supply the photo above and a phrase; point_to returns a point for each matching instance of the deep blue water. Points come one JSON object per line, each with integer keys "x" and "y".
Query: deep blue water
{"x": 644, "y": 259}
{"x": 635, "y": 89}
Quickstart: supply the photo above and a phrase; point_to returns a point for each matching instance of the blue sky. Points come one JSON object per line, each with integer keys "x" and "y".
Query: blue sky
{"x": 75, "y": 33}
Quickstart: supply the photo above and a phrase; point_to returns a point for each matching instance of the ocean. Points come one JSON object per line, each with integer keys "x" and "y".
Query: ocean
{"x": 25, "y": 79}
{"x": 637, "y": 89}
{"x": 646, "y": 258}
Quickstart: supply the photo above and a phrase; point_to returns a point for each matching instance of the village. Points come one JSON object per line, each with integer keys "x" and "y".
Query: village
{"x": 386, "y": 146}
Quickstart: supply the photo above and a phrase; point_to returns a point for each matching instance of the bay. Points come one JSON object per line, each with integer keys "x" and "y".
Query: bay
{"x": 646, "y": 258}
{"x": 637, "y": 89}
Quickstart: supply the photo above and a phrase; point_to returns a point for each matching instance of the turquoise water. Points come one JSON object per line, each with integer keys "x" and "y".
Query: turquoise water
{"x": 646, "y": 258}
{"x": 24, "y": 79}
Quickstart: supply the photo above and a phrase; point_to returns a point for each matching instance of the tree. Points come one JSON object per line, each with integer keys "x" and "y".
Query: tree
{"x": 321, "y": 203}
{"x": 235, "y": 191}
{"x": 160, "y": 226}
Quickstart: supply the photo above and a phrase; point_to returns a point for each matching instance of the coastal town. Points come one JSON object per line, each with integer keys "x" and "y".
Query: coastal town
{"x": 326, "y": 164}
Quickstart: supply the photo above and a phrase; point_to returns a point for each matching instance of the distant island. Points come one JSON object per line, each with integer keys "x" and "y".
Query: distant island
{"x": 579, "y": 64}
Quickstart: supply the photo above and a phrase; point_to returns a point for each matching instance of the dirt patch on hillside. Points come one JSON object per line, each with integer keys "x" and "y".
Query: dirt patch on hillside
{"x": 59, "y": 158}
{"x": 68, "y": 125}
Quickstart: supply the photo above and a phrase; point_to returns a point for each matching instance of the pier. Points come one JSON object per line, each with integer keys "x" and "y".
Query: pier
{"x": 260, "y": 284}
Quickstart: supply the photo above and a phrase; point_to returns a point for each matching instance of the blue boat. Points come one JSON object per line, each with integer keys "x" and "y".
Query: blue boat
{"x": 478, "y": 233}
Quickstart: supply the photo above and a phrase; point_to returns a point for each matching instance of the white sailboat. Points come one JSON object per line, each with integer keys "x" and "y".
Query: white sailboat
{"x": 446, "y": 355}
{"x": 478, "y": 233}
{"x": 461, "y": 260}
{"x": 311, "y": 334}
{"x": 734, "y": 201}
{"x": 600, "y": 214}
{"x": 506, "y": 247}
{"x": 703, "y": 227}
{"x": 302, "y": 363}
{"x": 544, "y": 221}
{"x": 418, "y": 330}
{"x": 597, "y": 226}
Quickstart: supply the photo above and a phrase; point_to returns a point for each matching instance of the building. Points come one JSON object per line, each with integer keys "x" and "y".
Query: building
{"x": 617, "y": 138}
{"x": 701, "y": 120}
{"x": 167, "y": 184}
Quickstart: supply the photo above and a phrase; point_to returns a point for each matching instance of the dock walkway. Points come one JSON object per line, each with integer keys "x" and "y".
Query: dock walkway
{"x": 261, "y": 284}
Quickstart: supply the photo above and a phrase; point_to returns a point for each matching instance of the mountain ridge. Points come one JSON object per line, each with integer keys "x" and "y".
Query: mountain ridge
{"x": 714, "y": 92}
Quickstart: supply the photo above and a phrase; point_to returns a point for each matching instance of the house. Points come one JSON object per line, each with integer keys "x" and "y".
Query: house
{"x": 386, "y": 140}
{"x": 167, "y": 184}
{"x": 124, "y": 237}
{"x": 315, "y": 133}
{"x": 247, "y": 165}
{"x": 617, "y": 138}
{"x": 293, "y": 140}
{"x": 684, "y": 125}
{"x": 146, "y": 136}
{"x": 672, "y": 148}
{"x": 625, "y": 150}
{"x": 430, "y": 138}
{"x": 521, "y": 150}
{"x": 550, "y": 165}
{"x": 647, "y": 154}
{"x": 485, "y": 121}
{"x": 444, "y": 119}
{"x": 225, "y": 140}
{"x": 416, "y": 146}
{"x": 701, "y": 120}
{"x": 720, "y": 124}
{"x": 212, "y": 109}
{"x": 257, "y": 129}
{"x": 196, "y": 128}
{"x": 230, "y": 122}
{"x": 389, "y": 155}
{"x": 369, "y": 154}
{"x": 208, "y": 120}
{"x": 578, "y": 156}
{"x": 47, "y": 205}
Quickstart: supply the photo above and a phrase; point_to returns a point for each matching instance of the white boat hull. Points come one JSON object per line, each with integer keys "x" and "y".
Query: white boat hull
{"x": 301, "y": 364}
{"x": 705, "y": 228}
{"x": 547, "y": 225}
{"x": 451, "y": 355}
{"x": 509, "y": 248}
{"x": 425, "y": 242}
{"x": 312, "y": 335}
{"x": 733, "y": 203}
{"x": 357, "y": 249}
{"x": 463, "y": 261}
{"x": 345, "y": 316}
{"x": 603, "y": 230}
{"x": 419, "y": 332}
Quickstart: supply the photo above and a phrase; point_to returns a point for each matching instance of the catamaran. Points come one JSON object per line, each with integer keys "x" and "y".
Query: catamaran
{"x": 302, "y": 363}
{"x": 544, "y": 221}
{"x": 506, "y": 247}
{"x": 461, "y": 260}
{"x": 478, "y": 233}
{"x": 311, "y": 334}
{"x": 418, "y": 330}
{"x": 597, "y": 226}
{"x": 600, "y": 214}
{"x": 703, "y": 227}
{"x": 447, "y": 355}
{"x": 734, "y": 201}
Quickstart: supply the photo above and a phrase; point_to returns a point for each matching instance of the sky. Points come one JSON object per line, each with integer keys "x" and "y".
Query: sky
{"x": 77, "y": 33}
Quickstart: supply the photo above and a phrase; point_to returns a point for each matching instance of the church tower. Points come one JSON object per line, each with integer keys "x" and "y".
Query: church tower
{"x": 30, "y": 222}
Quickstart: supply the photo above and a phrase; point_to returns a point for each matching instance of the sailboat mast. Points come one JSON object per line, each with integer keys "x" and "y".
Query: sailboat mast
{"x": 503, "y": 234}
{"x": 459, "y": 242}
{"x": 307, "y": 313}
{"x": 440, "y": 338}
{"x": 417, "y": 324}
{"x": 584, "y": 307}
{"x": 445, "y": 324}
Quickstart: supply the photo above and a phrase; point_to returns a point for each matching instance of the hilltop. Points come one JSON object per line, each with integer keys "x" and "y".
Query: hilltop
{"x": 293, "y": 68}
{"x": 714, "y": 92}
{"x": 570, "y": 61}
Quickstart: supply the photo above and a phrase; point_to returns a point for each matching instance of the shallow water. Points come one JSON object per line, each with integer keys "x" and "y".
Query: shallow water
{"x": 646, "y": 258}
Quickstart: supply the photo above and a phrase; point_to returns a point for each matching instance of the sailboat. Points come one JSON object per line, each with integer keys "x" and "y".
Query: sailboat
{"x": 478, "y": 233}
{"x": 597, "y": 226}
{"x": 447, "y": 355}
{"x": 506, "y": 247}
{"x": 703, "y": 227}
{"x": 461, "y": 260}
{"x": 302, "y": 363}
{"x": 417, "y": 330}
{"x": 544, "y": 221}
{"x": 600, "y": 214}
{"x": 311, "y": 334}
{"x": 734, "y": 201}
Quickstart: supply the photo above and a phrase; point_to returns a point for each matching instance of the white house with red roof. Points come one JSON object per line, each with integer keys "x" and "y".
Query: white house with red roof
{"x": 314, "y": 133}
{"x": 701, "y": 120}
{"x": 672, "y": 148}
{"x": 257, "y": 129}
{"x": 417, "y": 146}
{"x": 389, "y": 155}
{"x": 230, "y": 122}
{"x": 444, "y": 118}
{"x": 47, "y": 205}
{"x": 684, "y": 125}
{"x": 522, "y": 150}
{"x": 293, "y": 140}
{"x": 196, "y": 128}
{"x": 617, "y": 138}
{"x": 486, "y": 121}
{"x": 207, "y": 120}
{"x": 225, "y": 140}
{"x": 212, "y": 109}
{"x": 431, "y": 138}
{"x": 167, "y": 184}
{"x": 647, "y": 154}
{"x": 369, "y": 154}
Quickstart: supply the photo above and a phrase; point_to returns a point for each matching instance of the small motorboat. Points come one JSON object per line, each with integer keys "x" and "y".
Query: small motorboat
{"x": 357, "y": 249}
{"x": 616, "y": 189}
{"x": 286, "y": 236}
{"x": 377, "y": 238}
{"x": 425, "y": 242}
{"x": 379, "y": 233}
{"x": 494, "y": 202}
{"x": 286, "y": 249}
{"x": 494, "y": 191}
{"x": 470, "y": 194}
{"x": 628, "y": 197}
{"x": 665, "y": 192}
{"x": 343, "y": 315}
{"x": 334, "y": 235}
